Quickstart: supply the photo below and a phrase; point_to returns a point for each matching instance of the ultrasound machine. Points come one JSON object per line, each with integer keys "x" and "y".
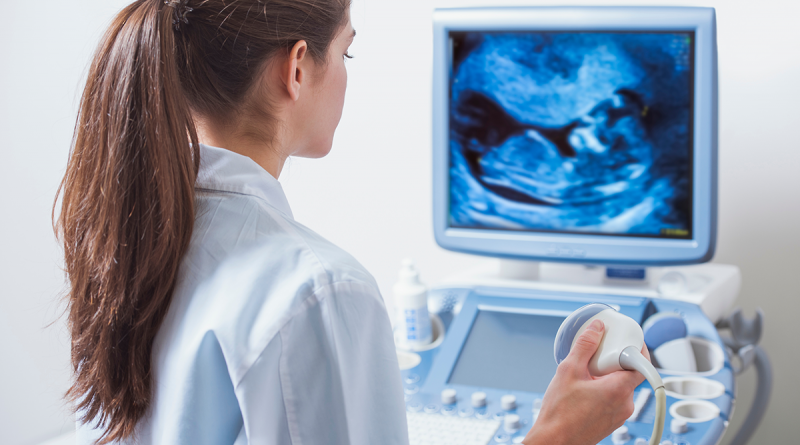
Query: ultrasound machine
{"x": 577, "y": 147}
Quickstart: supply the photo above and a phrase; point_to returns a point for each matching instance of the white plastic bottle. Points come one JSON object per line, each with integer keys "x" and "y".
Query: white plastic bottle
{"x": 411, "y": 298}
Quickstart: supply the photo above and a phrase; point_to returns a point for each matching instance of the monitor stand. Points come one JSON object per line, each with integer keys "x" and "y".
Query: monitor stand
{"x": 713, "y": 287}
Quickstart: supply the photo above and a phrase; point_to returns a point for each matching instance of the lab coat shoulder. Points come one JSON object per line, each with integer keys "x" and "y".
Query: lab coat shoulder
{"x": 269, "y": 269}
{"x": 302, "y": 319}
{"x": 233, "y": 223}
{"x": 334, "y": 365}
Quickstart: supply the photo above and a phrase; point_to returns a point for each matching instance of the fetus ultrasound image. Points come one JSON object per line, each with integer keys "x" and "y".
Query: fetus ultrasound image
{"x": 587, "y": 132}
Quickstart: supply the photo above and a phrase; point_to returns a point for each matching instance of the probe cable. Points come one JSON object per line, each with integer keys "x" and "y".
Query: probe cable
{"x": 633, "y": 360}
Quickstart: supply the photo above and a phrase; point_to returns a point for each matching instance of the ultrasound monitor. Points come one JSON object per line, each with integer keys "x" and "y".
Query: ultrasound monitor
{"x": 578, "y": 134}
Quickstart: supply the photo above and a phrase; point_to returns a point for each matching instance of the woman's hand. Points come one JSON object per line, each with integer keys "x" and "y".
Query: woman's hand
{"x": 578, "y": 408}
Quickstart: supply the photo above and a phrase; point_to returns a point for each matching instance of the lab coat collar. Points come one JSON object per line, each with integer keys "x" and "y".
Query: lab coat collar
{"x": 226, "y": 171}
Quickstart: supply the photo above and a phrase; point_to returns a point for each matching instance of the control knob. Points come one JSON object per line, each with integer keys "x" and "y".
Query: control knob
{"x": 508, "y": 402}
{"x": 537, "y": 406}
{"x": 678, "y": 426}
{"x": 478, "y": 399}
{"x": 448, "y": 396}
{"x": 621, "y": 435}
{"x": 511, "y": 422}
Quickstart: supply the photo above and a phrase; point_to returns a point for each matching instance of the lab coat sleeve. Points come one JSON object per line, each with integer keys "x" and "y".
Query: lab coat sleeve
{"x": 335, "y": 366}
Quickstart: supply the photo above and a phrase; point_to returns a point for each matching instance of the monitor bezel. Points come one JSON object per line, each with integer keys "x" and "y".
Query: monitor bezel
{"x": 574, "y": 247}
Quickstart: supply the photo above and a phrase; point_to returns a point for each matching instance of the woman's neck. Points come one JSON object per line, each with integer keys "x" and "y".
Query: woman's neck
{"x": 269, "y": 156}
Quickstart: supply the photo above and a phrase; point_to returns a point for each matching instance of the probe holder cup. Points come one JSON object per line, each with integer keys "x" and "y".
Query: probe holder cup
{"x": 437, "y": 336}
{"x": 708, "y": 356}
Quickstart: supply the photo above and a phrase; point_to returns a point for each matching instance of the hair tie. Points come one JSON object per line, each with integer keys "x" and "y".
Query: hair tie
{"x": 179, "y": 10}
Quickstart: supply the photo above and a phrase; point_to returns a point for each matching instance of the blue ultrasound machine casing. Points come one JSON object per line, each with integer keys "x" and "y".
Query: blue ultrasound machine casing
{"x": 489, "y": 346}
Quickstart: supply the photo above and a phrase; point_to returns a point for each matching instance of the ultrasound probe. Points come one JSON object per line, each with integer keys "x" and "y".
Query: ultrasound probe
{"x": 620, "y": 348}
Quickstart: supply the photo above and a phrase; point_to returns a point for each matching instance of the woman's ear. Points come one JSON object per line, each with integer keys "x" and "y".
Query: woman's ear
{"x": 294, "y": 73}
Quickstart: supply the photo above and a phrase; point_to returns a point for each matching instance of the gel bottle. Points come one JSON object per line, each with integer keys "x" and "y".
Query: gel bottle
{"x": 411, "y": 298}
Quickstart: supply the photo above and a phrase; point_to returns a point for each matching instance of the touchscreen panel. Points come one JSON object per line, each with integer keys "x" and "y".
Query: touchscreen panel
{"x": 507, "y": 350}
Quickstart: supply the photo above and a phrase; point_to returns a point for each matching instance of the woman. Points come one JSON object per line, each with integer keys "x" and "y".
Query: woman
{"x": 200, "y": 311}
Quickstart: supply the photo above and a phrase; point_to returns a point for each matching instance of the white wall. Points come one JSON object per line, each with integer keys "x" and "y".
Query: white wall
{"x": 371, "y": 195}
{"x": 44, "y": 49}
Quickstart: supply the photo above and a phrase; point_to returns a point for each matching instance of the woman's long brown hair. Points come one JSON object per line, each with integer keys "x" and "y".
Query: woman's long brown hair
{"x": 128, "y": 193}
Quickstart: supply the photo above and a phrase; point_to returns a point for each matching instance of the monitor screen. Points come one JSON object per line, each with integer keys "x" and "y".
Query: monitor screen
{"x": 506, "y": 350}
{"x": 578, "y": 132}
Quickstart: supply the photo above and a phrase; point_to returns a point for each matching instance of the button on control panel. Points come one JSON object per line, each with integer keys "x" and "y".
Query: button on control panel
{"x": 478, "y": 399}
{"x": 508, "y": 402}
{"x": 511, "y": 423}
{"x": 621, "y": 435}
{"x": 448, "y": 396}
{"x": 678, "y": 426}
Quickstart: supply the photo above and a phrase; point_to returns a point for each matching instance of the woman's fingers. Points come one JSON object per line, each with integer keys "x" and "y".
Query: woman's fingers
{"x": 625, "y": 381}
{"x": 579, "y": 407}
{"x": 646, "y": 353}
{"x": 585, "y": 346}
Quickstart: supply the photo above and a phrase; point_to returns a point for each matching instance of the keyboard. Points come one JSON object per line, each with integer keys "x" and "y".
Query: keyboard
{"x": 436, "y": 429}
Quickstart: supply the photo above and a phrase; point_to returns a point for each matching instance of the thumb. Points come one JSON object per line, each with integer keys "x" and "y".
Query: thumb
{"x": 587, "y": 344}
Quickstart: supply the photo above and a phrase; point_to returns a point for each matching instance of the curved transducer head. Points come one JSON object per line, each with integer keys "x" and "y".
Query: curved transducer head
{"x": 571, "y": 131}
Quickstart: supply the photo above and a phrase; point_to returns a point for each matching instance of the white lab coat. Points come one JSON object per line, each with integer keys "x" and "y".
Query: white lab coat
{"x": 274, "y": 335}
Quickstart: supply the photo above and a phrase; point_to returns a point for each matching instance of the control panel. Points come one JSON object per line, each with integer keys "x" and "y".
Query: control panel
{"x": 484, "y": 382}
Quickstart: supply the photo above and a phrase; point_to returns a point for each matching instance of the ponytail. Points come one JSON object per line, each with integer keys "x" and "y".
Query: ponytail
{"x": 128, "y": 193}
{"x": 127, "y": 214}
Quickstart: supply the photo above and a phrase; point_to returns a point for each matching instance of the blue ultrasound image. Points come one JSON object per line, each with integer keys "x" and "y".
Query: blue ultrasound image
{"x": 587, "y": 132}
